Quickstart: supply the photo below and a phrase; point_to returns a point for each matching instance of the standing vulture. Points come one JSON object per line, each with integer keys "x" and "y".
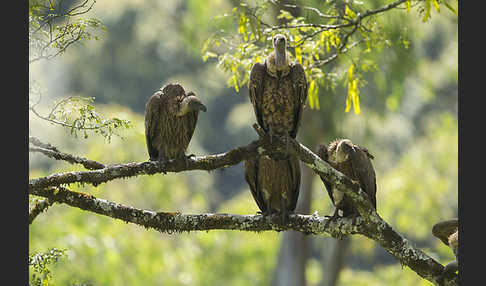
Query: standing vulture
{"x": 277, "y": 91}
{"x": 354, "y": 162}
{"x": 170, "y": 120}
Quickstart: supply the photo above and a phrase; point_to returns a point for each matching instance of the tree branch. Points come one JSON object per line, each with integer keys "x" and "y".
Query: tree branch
{"x": 35, "y": 141}
{"x": 39, "y": 206}
{"x": 370, "y": 224}
{"x": 171, "y": 222}
{"x": 96, "y": 177}
{"x": 88, "y": 164}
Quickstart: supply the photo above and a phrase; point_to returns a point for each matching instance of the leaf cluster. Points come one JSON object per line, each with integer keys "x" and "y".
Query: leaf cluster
{"x": 315, "y": 40}
{"x": 53, "y": 27}
{"x": 39, "y": 262}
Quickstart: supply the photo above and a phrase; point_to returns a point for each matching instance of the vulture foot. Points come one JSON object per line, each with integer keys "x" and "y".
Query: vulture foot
{"x": 334, "y": 216}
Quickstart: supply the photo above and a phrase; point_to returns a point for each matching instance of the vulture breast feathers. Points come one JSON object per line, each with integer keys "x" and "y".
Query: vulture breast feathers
{"x": 278, "y": 96}
{"x": 170, "y": 120}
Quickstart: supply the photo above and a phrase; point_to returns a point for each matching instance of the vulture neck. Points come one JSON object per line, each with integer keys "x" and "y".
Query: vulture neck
{"x": 280, "y": 59}
{"x": 278, "y": 63}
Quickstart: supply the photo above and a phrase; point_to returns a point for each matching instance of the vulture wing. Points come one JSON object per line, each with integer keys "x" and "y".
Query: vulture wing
{"x": 191, "y": 120}
{"x": 297, "y": 75}
{"x": 364, "y": 171}
{"x": 255, "y": 86}
{"x": 251, "y": 177}
{"x": 294, "y": 167}
{"x": 152, "y": 123}
{"x": 322, "y": 153}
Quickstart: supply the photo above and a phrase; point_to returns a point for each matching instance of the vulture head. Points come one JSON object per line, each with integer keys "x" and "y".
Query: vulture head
{"x": 180, "y": 102}
{"x": 279, "y": 43}
{"x": 190, "y": 103}
{"x": 340, "y": 153}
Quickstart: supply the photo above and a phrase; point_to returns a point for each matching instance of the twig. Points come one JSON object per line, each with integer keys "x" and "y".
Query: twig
{"x": 88, "y": 164}
{"x": 39, "y": 207}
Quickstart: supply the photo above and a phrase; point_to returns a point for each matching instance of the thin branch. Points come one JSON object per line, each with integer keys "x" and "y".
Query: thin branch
{"x": 35, "y": 141}
{"x": 88, "y": 164}
{"x": 317, "y": 11}
{"x": 39, "y": 207}
{"x": 334, "y": 56}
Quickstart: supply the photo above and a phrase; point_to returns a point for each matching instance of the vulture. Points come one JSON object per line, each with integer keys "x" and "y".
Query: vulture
{"x": 277, "y": 91}
{"x": 170, "y": 119}
{"x": 448, "y": 232}
{"x": 355, "y": 162}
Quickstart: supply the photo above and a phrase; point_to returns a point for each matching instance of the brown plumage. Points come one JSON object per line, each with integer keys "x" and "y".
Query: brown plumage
{"x": 354, "y": 162}
{"x": 274, "y": 184}
{"x": 448, "y": 232}
{"x": 170, "y": 120}
{"x": 277, "y": 91}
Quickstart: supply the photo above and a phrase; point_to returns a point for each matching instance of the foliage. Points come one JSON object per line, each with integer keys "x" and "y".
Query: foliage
{"x": 53, "y": 27}
{"x": 78, "y": 115}
{"x": 141, "y": 53}
{"x": 315, "y": 39}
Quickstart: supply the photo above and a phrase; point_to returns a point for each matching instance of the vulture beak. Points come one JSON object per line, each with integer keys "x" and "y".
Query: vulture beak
{"x": 197, "y": 105}
{"x": 201, "y": 106}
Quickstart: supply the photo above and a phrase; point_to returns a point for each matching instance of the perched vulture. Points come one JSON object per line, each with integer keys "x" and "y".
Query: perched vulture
{"x": 355, "y": 162}
{"x": 277, "y": 91}
{"x": 170, "y": 120}
{"x": 448, "y": 232}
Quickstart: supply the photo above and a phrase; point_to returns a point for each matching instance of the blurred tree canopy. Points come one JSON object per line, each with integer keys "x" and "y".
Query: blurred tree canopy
{"x": 397, "y": 78}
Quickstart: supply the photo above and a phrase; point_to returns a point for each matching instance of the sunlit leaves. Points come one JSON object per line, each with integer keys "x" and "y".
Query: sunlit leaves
{"x": 449, "y": 6}
{"x": 79, "y": 116}
{"x": 52, "y": 28}
{"x": 353, "y": 92}
{"x": 312, "y": 43}
{"x": 312, "y": 95}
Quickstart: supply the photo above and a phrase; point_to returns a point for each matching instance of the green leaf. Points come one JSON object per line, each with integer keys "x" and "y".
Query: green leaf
{"x": 449, "y": 7}
{"x": 350, "y": 73}
{"x": 285, "y": 15}
{"x": 349, "y": 12}
{"x": 357, "y": 109}
{"x": 311, "y": 93}
{"x": 427, "y": 11}
{"x": 209, "y": 55}
{"x": 436, "y": 5}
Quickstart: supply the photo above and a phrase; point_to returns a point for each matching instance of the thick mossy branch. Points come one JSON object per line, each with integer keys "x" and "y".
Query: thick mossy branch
{"x": 96, "y": 177}
{"x": 170, "y": 222}
{"x": 370, "y": 224}
{"x": 38, "y": 207}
